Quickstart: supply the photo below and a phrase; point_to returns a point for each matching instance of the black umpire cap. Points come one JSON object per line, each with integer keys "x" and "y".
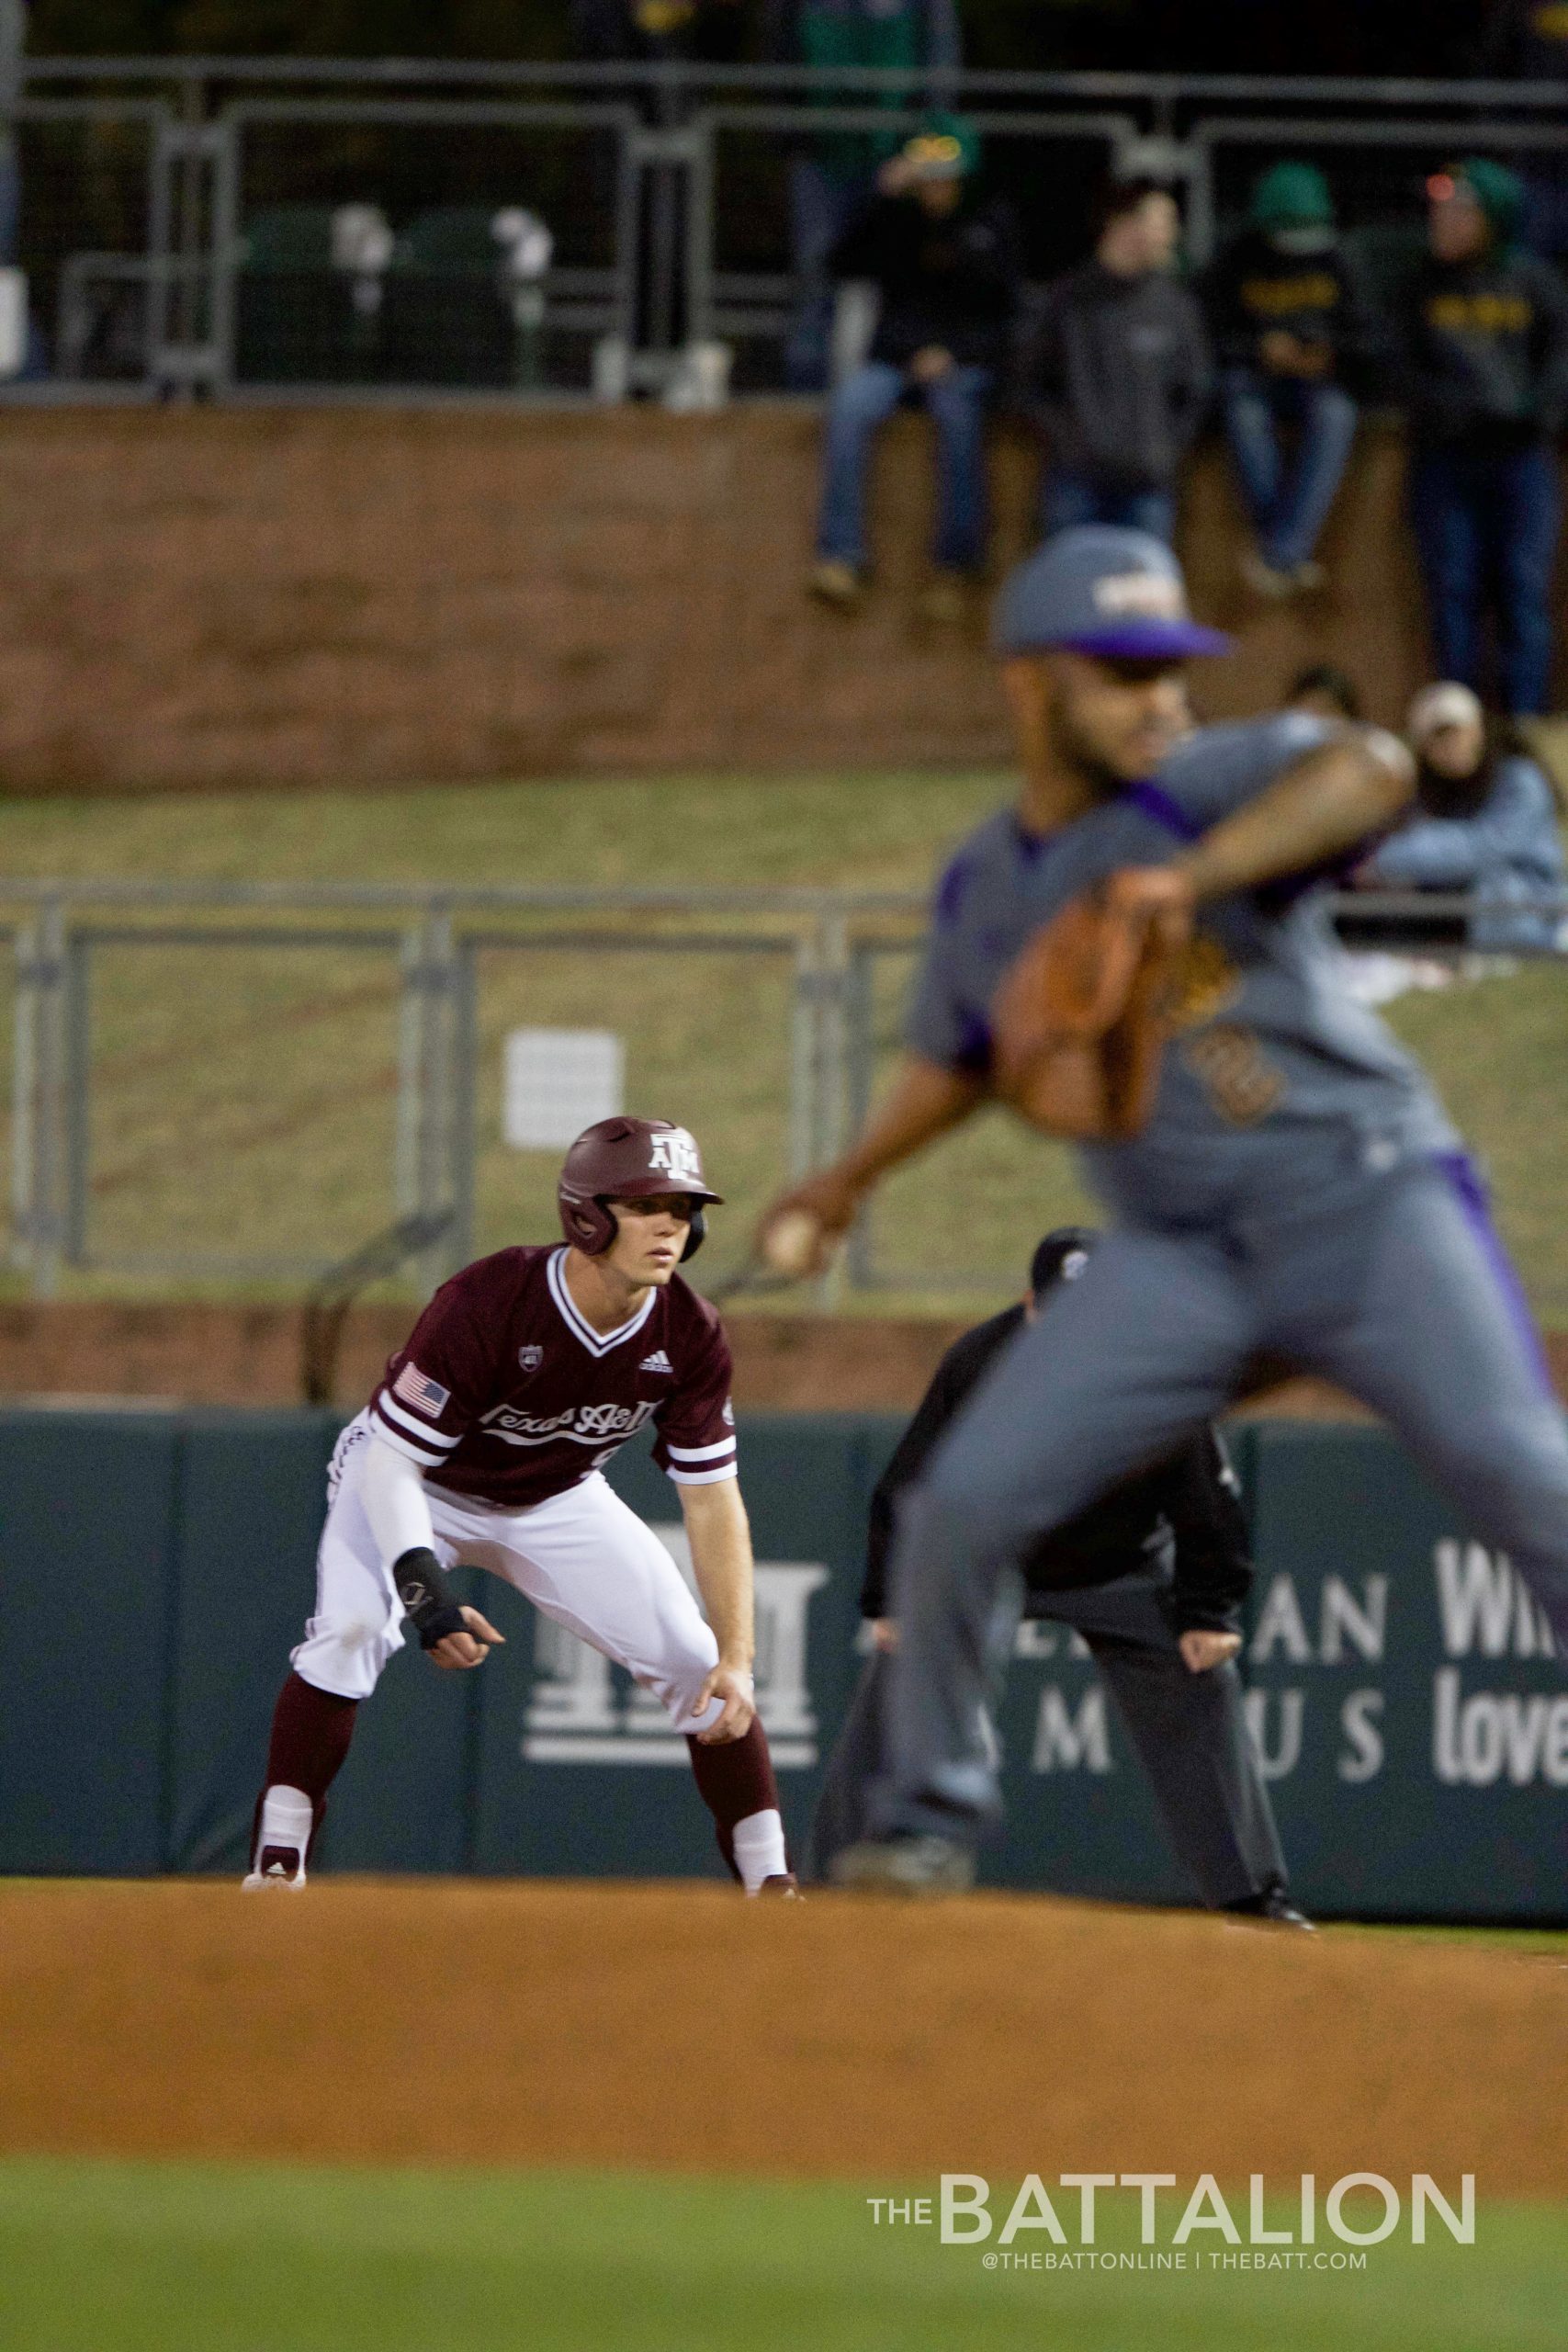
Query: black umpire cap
{"x": 1061, "y": 1257}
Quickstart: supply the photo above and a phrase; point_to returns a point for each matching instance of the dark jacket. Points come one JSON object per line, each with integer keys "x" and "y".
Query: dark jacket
{"x": 1190, "y": 1496}
{"x": 1483, "y": 351}
{"x": 951, "y": 282}
{"x": 1119, "y": 374}
{"x": 1253, "y": 289}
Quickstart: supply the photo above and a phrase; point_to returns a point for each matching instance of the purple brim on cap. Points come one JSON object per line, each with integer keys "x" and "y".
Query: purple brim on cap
{"x": 1148, "y": 640}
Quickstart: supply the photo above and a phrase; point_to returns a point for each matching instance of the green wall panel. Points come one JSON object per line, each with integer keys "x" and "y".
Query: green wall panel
{"x": 89, "y": 1506}
{"x": 156, "y": 1568}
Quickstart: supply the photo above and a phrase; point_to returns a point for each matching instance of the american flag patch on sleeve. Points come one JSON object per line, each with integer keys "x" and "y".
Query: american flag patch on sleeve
{"x": 417, "y": 1388}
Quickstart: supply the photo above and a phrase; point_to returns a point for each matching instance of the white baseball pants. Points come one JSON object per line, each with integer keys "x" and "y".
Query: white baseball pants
{"x": 583, "y": 1557}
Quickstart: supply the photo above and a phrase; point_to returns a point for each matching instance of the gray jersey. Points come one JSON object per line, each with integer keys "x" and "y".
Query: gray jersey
{"x": 1273, "y": 1069}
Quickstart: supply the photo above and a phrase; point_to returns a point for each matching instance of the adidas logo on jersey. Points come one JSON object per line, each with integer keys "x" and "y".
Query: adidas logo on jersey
{"x": 657, "y": 1362}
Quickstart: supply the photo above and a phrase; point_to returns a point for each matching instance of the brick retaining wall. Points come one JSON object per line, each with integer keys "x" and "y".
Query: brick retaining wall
{"x": 244, "y": 596}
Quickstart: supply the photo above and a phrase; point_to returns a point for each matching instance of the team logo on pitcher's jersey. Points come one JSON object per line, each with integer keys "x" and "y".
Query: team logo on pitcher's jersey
{"x": 1240, "y": 1081}
{"x": 1207, "y": 982}
{"x": 530, "y": 1357}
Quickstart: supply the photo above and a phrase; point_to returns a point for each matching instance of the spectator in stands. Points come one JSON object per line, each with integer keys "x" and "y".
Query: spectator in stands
{"x": 1323, "y": 691}
{"x": 1293, "y": 337}
{"x": 1485, "y": 363}
{"x": 833, "y": 174}
{"x": 1118, "y": 374}
{"x": 946, "y": 263}
{"x": 1487, "y": 824}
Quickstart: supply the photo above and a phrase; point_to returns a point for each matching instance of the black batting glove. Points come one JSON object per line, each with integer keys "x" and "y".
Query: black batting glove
{"x": 428, "y": 1600}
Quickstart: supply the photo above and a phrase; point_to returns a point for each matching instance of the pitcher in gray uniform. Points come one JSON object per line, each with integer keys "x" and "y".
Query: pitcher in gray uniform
{"x": 1154, "y": 1578}
{"x": 1298, "y": 1189}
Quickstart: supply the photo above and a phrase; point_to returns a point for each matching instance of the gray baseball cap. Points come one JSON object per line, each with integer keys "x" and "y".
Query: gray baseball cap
{"x": 1100, "y": 590}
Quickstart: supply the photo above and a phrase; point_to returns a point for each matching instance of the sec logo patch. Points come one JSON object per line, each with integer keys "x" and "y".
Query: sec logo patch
{"x": 530, "y": 1358}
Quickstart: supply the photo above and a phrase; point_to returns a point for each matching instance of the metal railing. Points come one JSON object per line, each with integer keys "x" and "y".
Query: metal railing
{"x": 266, "y": 1065}
{"x": 144, "y": 241}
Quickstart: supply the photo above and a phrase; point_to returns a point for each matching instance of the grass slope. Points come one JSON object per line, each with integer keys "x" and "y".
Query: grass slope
{"x": 247, "y": 1098}
{"x": 108, "y": 2257}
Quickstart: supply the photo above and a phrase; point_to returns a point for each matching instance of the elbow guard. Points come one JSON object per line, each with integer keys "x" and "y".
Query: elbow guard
{"x": 427, "y": 1598}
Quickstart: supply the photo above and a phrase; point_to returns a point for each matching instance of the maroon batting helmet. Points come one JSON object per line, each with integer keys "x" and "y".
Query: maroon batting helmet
{"x": 628, "y": 1160}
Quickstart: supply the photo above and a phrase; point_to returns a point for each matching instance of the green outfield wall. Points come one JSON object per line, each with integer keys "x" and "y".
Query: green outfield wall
{"x": 155, "y": 1568}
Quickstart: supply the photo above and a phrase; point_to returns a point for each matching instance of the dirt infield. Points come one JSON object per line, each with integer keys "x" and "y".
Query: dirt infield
{"x": 549, "y": 2022}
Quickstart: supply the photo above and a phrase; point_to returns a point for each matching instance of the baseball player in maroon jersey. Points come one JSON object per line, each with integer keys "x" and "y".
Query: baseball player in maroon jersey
{"x": 486, "y": 1444}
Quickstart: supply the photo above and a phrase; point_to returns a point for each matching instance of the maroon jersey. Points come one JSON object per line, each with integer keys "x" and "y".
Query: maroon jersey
{"x": 505, "y": 1392}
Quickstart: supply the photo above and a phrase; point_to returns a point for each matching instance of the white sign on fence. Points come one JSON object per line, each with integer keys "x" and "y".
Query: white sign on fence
{"x": 559, "y": 1081}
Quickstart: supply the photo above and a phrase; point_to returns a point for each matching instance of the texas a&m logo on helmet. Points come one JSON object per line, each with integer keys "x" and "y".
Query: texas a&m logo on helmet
{"x": 673, "y": 1152}
{"x": 628, "y": 1160}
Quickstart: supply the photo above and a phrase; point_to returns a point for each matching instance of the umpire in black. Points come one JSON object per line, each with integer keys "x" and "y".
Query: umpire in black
{"x": 1153, "y": 1575}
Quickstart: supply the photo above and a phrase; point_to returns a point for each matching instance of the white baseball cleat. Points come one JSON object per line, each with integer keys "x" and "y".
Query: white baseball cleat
{"x": 276, "y": 1866}
{"x": 285, "y": 1820}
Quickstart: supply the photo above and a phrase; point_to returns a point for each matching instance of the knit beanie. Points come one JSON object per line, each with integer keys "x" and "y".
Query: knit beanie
{"x": 1498, "y": 190}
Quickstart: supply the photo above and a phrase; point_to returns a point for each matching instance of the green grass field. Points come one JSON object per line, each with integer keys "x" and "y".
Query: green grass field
{"x": 247, "y": 1099}
{"x": 112, "y": 2257}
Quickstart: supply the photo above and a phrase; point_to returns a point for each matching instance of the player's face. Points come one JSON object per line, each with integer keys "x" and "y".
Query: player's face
{"x": 1113, "y": 721}
{"x": 939, "y": 197}
{"x": 1160, "y": 223}
{"x": 649, "y": 1237}
{"x": 1457, "y": 226}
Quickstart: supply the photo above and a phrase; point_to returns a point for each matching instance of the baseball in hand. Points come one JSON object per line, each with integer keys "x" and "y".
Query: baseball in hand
{"x": 790, "y": 1242}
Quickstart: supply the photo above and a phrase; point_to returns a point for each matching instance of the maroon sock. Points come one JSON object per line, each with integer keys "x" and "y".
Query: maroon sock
{"x": 735, "y": 1780}
{"x": 311, "y": 1732}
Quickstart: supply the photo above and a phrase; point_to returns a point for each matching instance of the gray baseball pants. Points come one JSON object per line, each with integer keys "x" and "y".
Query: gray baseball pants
{"x": 1393, "y": 1286}
{"x": 1188, "y": 1729}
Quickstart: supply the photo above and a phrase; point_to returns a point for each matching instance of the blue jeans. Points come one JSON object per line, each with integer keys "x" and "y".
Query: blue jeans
{"x": 1288, "y": 498}
{"x": 863, "y": 403}
{"x": 1068, "y": 498}
{"x": 821, "y": 207}
{"x": 1485, "y": 525}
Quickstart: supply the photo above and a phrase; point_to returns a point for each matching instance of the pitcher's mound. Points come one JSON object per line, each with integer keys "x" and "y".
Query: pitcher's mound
{"x": 549, "y": 2022}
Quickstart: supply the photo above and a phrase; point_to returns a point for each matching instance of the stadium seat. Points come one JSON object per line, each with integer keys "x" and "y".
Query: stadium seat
{"x": 309, "y": 295}
{"x": 460, "y": 309}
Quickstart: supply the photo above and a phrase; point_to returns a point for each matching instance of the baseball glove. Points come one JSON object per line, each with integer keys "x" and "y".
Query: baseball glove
{"x": 1080, "y": 1019}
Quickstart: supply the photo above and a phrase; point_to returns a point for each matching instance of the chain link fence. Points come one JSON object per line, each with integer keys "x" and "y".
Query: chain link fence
{"x": 243, "y": 1085}
{"x": 238, "y": 1084}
